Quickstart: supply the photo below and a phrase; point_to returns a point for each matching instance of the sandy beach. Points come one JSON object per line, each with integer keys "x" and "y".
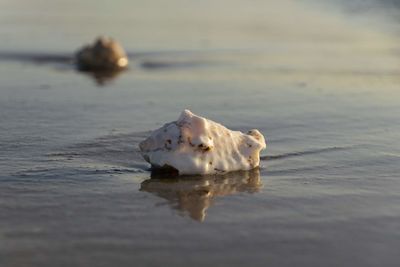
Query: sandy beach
{"x": 320, "y": 81}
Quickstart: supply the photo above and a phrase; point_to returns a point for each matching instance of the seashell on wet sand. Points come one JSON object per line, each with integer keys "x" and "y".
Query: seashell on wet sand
{"x": 103, "y": 54}
{"x": 196, "y": 145}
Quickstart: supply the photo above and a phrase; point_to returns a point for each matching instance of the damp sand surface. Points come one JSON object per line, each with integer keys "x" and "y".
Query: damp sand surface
{"x": 74, "y": 190}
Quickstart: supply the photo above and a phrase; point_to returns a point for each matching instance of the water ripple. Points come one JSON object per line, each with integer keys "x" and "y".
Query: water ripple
{"x": 306, "y": 152}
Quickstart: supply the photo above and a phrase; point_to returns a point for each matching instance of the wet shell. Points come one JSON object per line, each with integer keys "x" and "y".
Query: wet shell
{"x": 196, "y": 145}
{"x": 103, "y": 54}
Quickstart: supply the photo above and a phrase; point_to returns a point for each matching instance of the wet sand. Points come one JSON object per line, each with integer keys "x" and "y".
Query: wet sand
{"x": 321, "y": 84}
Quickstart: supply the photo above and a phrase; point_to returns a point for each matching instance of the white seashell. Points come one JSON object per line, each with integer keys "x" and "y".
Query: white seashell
{"x": 196, "y": 145}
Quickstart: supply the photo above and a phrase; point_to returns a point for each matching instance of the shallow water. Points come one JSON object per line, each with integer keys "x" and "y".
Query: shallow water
{"x": 75, "y": 191}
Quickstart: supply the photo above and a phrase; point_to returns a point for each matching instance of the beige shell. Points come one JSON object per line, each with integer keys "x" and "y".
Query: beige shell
{"x": 103, "y": 54}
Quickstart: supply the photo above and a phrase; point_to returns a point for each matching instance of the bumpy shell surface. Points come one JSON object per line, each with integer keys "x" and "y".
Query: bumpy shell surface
{"x": 196, "y": 145}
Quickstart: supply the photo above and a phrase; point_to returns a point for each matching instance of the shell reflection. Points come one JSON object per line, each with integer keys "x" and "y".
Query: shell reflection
{"x": 193, "y": 195}
{"x": 103, "y": 77}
